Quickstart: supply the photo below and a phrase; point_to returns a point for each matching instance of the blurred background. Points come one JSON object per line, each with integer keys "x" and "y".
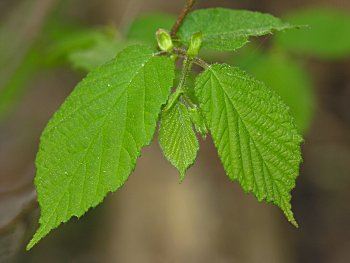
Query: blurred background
{"x": 47, "y": 46}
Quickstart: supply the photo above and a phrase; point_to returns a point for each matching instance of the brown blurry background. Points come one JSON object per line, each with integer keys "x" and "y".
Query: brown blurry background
{"x": 155, "y": 219}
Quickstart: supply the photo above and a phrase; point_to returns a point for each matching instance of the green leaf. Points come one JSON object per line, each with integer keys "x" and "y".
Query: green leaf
{"x": 20, "y": 58}
{"x": 14, "y": 85}
{"x": 189, "y": 84}
{"x": 144, "y": 28}
{"x": 288, "y": 78}
{"x": 226, "y": 29}
{"x": 326, "y": 37}
{"x": 91, "y": 144}
{"x": 78, "y": 40}
{"x": 177, "y": 138}
{"x": 198, "y": 122}
{"x": 89, "y": 58}
{"x": 254, "y": 133}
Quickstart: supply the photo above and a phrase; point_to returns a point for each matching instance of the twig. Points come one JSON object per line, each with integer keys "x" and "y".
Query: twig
{"x": 185, "y": 10}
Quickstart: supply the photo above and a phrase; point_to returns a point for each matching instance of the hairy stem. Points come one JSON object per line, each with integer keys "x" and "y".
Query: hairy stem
{"x": 188, "y": 101}
{"x": 186, "y": 69}
{"x": 185, "y": 10}
{"x": 183, "y": 53}
{"x": 187, "y": 65}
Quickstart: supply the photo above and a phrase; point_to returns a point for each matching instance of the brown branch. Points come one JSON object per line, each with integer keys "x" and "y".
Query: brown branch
{"x": 185, "y": 10}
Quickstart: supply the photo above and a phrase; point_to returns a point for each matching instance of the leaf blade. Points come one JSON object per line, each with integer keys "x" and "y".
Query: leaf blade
{"x": 177, "y": 138}
{"x": 288, "y": 78}
{"x": 91, "y": 144}
{"x": 101, "y": 52}
{"x": 257, "y": 141}
{"x": 227, "y": 29}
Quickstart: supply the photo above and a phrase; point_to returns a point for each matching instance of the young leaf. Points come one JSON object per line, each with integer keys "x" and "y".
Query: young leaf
{"x": 91, "y": 144}
{"x": 198, "y": 122}
{"x": 254, "y": 133}
{"x": 226, "y": 29}
{"x": 327, "y": 35}
{"x": 164, "y": 40}
{"x": 177, "y": 138}
{"x": 195, "y": 44}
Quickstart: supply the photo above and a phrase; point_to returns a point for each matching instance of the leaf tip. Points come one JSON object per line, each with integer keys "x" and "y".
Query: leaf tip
{"x": 31, "y": 243}
{"x": 293, "y": 222}
{"x": 290, "y": 216}
{"x": 40, "y": 234}
{"x": 182, "y": 175}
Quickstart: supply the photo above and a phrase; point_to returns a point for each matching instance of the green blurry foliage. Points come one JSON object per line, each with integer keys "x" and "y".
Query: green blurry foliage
{"x": 287, "y": 76}
{"x": 96, "y": 55}
{"x": 143, "y": 28}
{"x": 19, "y": 56}
{"x": 327, "y": 35}
{"x": 60, "y": 43}
{"x": 14, "y": 87}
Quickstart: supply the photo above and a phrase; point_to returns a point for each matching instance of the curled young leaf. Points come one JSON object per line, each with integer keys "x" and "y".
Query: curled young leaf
{"x": 177, "y": 138}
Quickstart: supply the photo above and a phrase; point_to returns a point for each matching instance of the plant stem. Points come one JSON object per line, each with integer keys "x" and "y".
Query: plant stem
{"x": 180, "y": 90}
{"x": 183, "y": 53}
{"x": 188, "y": 101}
{"x": 187, "y": 65}
{"x": 185, "y": 10}
{"x": 173, "y": 99}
